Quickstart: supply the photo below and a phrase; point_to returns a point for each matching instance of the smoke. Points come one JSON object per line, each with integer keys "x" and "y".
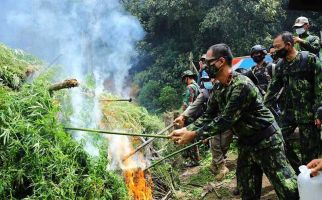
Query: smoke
{"x": 119, "y": 147}
{"x": 92, "y": 39}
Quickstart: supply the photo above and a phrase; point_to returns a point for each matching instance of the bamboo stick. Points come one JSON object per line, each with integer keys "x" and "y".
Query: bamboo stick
{"x": 129, "y": 100}
{"x": 117, "y": 133}
{"x": 174, "y": 153}
{"x": 147, "y": 142}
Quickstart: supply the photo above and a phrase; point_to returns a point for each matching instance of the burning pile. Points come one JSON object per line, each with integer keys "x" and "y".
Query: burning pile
{"x": 139, "y": 183}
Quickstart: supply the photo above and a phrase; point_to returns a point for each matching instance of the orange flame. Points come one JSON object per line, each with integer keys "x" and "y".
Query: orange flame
{"x": 139, "y": 185}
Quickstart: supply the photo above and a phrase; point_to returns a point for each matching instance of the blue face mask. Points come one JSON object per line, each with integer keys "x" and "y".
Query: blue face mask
{"x": 208, "y": 85}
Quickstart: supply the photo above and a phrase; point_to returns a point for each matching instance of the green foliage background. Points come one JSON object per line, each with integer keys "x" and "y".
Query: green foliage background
{"x": 176, "y": 27}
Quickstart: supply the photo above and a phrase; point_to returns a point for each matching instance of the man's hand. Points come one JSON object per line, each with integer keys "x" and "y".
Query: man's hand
{"x": 200, "y": 66}
{"x": 297, "y": 39}
{"x": 318, "y": 123}
{"x": 183, "y": 136}
{"x": 315, "y": 166}
{"x": 179, "y": 121}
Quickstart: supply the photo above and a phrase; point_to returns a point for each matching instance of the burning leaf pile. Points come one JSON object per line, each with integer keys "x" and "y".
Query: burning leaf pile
{"x": 122, "y": 115}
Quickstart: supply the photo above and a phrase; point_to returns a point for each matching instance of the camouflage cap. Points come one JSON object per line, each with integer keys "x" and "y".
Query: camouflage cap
{"x": 187, "y": 73}
{"x": 300, "y": 21}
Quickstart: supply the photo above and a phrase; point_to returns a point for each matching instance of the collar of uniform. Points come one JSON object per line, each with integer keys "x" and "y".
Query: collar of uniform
{"x": 297, "y": 57}
{"x": 263, "y": 65}
{"x": 304, "y": 35}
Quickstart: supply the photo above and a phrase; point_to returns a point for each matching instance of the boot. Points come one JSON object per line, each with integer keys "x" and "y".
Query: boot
{"x": 222, "y": 170}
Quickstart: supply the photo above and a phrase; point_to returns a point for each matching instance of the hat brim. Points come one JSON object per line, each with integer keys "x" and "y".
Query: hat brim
{"x": 298, "y": 24}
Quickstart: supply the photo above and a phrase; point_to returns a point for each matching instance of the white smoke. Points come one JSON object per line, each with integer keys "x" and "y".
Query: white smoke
{"x": 95, "y": 38}
{"x": 119, "y": 147}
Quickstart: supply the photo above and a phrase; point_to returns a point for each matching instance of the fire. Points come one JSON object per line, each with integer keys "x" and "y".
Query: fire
{"x": 139, "y": 187}
{"x": 138, "y": 182}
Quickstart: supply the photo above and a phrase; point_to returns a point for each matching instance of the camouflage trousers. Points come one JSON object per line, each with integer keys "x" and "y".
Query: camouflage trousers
{"x": 219, "y": 145}
{"x": 192, "y": 153}
{"x": 273, "y": 162}
{"x": 301, "y": 151}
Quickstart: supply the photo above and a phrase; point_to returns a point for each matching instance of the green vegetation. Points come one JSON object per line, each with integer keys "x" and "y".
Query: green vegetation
{"x": 176, "y": 27}
{"x": 38, "y": 160}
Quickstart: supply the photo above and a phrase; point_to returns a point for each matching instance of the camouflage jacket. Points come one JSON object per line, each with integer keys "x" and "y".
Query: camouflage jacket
{"x": 311, "y": 44}
{"x": 302, "y": 94}
{"x": 190, "y": 95}
{"x": 263, "y": 74}
{"x": 240, "y": 108}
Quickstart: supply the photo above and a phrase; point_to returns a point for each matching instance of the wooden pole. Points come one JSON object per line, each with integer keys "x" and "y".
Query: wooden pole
{"x": 116, "y": 133}
{"x": 174, "y": 153}
{"x": 147, "y": 142}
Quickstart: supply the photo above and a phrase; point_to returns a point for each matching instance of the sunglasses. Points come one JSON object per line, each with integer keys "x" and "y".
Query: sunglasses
{"x": 208, "y": 62}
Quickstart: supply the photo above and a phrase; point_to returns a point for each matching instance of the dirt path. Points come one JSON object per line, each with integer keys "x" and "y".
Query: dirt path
{"x": 198, "y": 180}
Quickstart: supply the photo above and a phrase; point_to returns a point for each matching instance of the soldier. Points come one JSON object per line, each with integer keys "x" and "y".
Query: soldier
{"x": 190, "y": 95}
{"x": 240, "y": 107}
{"x": 304, "y": 41}
{"x": 202, "y": 65}
{"x": 300, "y": 73}
{"x": 262, "y": 70}
{"x": 219, "y": 144}
{"x": 192, "y": 90}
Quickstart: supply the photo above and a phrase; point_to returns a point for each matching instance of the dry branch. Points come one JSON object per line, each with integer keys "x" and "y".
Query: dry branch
{"x": 69, "y": 83}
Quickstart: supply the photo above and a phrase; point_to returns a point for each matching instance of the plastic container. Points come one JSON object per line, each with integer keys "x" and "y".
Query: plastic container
{"x": 310, "y": 188}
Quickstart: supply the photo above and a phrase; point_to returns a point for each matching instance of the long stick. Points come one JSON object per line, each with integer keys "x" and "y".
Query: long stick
{"x": 117, "y": 133}
{"x": 147, "y": 142}
{"x": 129, "y": 100}
{"x": 173, "y": 154}
{"x": 191, "y": 63}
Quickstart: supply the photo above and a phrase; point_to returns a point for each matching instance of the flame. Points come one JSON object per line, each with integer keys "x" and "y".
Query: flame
{"x": 138, "y": 182}
{"x": 139, "y": 186}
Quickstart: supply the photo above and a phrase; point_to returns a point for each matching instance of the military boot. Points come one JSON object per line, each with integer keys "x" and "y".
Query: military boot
{"x": 222, "y": 170}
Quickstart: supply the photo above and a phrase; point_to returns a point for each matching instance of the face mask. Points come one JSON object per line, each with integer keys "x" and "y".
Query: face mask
{"x": 258, "y": 59}
{"x": 282, "y": 53}
{"x": 212, "y": 70}
{"x": 208, "y": 85}
{"x": 300, "y": 31}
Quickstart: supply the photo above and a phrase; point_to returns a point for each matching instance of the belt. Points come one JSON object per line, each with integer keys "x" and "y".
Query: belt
{"x": 264, "y": 134}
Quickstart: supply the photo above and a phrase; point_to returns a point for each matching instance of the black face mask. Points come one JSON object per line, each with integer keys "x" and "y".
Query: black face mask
{"x": 258, "y": 59}
{"x": 282, "y": 53}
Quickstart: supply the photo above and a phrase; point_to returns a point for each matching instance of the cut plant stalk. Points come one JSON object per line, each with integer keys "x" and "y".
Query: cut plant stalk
{"x": 147, "y": 142}
{"x": 174, "y": 153}
{"x": 117, "y": 133}
{"x": 129, "y": 100}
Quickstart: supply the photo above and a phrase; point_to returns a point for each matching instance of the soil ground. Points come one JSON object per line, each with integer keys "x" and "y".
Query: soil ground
{"x": 198, "y": 183}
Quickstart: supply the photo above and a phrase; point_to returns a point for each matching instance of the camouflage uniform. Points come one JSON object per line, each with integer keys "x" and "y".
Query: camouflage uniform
{"x": 219, "y": 144}
{"x": 190, "y": 95}
{"x": 241, "y": 108}
{"x": 263, "y": 74}
{"x": 301, "y": 99}
{"x": 311, "y": 43}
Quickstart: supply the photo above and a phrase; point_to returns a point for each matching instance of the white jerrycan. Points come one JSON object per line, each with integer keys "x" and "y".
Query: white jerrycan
{"x": 309, "y": 188}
